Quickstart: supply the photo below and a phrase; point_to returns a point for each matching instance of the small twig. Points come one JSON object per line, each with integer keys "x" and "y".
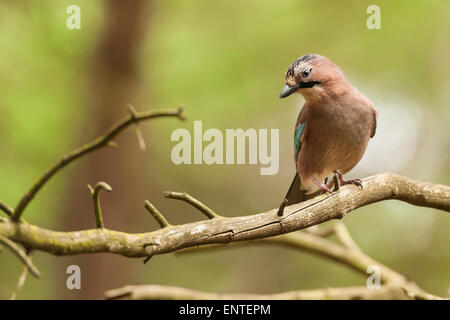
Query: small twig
{"x": 281, "y": 208}
{"x": 157, "y": 215}
{"x": 20, "y": 282}
{"x": 22, "y": 279}
{"x": 98, "y": 143}
{"x": 147, "y": 259}
{"x": 21, "y": 255}
{"x": 149, "y": 252}
{"x": 139, "y": 133}
{"x": 192, "y": 201}
{"x": 95, "y": 192}
{"x": 181, "y": 112}
{"x": 6, "y": 209}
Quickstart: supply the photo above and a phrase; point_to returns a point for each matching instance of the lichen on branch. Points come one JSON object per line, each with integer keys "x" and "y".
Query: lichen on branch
{"x": 223, "y": 230}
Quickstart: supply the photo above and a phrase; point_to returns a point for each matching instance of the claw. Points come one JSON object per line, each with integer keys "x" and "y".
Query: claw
{"x": 356, "y": 181}
{"x": 330, "y": 184}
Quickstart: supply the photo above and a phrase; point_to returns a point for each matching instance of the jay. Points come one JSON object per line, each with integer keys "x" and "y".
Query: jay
{"x": 333, "y": 127}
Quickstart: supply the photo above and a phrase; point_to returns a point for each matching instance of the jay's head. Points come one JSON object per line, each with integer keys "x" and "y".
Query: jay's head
{"x": 313, "y": 76}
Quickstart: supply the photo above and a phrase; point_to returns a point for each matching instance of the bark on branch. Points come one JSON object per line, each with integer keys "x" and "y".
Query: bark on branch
{"x": 393, "y": 285}
{"x": 223, "y": 230}
{"x": 157, "y": 292}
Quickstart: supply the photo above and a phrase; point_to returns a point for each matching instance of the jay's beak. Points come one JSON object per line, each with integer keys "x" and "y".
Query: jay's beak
{"x": 287, "y": 90}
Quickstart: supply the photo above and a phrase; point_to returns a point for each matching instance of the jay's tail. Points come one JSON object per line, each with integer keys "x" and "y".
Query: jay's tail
{"x": 294, "y": 195}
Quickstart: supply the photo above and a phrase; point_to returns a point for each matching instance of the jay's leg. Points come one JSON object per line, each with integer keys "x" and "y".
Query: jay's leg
{"x": 342, "y": 181}
{"x": 323, "y": 187}
{"x": 330, "y": 184}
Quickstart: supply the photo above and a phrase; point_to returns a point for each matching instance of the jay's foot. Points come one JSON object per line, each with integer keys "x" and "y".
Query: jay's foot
{"x": 323, "y": 187}
{"x": 331, "y": 184}
{"x": 342, "y": 181}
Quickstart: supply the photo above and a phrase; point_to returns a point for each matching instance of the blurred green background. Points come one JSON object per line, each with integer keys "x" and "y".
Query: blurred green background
{"x": 225, "y": 61}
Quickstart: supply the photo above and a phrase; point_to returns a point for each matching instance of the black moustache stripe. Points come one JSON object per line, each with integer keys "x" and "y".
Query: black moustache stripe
{"x": 309, "y": 84}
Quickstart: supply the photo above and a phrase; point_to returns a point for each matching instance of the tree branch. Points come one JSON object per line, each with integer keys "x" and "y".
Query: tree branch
{"x": 393, "y": 285}
{"x": 104, "y": 140}
{"x": 23, "y": 257}
{"x": 302, "y": 240}
{"x": 163, "y": 223}
{"x": 20, "y": 283}
{"x": 22, "y": 278}
{"x": 223, "y": 230}
{"x": 152, "y": 292}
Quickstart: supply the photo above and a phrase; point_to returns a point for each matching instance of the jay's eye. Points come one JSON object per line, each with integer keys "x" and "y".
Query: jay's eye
{"x": 305, "y": 73}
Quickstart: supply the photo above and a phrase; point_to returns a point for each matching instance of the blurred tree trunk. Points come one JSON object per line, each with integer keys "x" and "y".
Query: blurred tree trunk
{"x": 113, "y": 81}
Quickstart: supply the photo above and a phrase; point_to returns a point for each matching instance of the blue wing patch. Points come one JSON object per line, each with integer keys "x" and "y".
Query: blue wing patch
{"x": 298, "y": 134}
